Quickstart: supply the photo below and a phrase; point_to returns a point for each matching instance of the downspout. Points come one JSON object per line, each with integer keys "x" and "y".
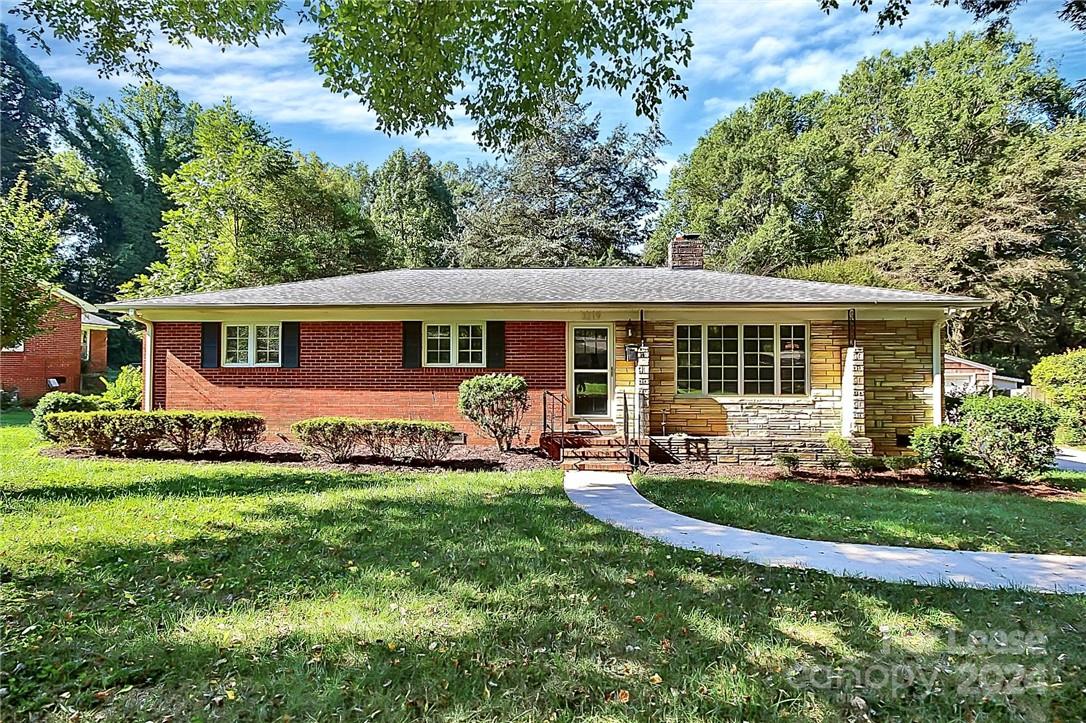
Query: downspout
{"x": 148, "y": 359}
{"x": 937, "y": 371}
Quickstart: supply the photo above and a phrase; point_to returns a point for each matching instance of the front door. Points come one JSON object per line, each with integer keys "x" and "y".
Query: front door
{"x": 591, "y": 371}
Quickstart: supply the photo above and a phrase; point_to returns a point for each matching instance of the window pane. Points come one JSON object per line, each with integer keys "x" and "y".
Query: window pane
{"x": 267, "y": 344}
{"x": 793, "y": 359}
{"x": 439, "y": 344}
{"x": 688, "y": 359}
{"x": 469, "y": 344}
{"x": 723, "y": 351}
{"x": 237, "y": 344}
{"x": 590, "y": 348}
{"x": 758, "y": 362}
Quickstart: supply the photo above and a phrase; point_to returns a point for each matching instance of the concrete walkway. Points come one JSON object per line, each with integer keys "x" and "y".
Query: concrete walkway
{"x": 612, "y": 498}
{"x": 1072, "y": 460}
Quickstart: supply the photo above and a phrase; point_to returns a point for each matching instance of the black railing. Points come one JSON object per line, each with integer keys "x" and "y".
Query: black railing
{"x": 554, "y": 405}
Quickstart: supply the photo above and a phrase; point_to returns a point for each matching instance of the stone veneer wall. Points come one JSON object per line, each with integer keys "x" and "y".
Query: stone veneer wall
{"x": 896, "y": 396}
{"x": 897, "y": 379}
{"x": 813, "y": 415}
{"x": 745, "y": 450}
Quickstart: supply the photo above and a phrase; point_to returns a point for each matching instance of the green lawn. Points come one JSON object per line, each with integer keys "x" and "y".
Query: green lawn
{"x": 885, "y": 514}
{"x": 141, "y": 590}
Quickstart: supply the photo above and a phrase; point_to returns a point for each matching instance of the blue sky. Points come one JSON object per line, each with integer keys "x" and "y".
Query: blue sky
{"x": 741, "y": 47}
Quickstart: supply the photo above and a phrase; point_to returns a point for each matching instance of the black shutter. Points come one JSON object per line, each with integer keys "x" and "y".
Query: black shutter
{"x": 412, "y": 344}
{"x": 210, "y": 334}
{"x": 495, "y": 344}
{"x": 290, "y": 333}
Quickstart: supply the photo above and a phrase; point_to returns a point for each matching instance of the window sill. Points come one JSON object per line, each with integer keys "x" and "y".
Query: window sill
{"x": 747, "y": 399}
{"x": 252, "y": 366}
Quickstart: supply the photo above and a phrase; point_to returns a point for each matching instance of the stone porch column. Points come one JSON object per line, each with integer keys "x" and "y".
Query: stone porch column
{"x": 641, "y": 389}
{"x": 852, "y": 393}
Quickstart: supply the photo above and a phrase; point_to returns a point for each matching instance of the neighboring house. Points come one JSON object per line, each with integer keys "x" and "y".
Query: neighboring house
{"x": 706, "y": 363}
{"x": 965, "y": 376}
{"x": 73, "y": 342}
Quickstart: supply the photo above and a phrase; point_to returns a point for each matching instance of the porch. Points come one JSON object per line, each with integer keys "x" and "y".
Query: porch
{"x": 668, "y": 396}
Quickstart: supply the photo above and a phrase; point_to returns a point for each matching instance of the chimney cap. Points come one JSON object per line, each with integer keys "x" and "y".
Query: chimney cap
{"x": 687, "y": 235}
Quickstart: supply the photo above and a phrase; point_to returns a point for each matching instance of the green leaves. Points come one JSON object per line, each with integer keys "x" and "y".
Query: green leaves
{"x": 29, "y": 234}
{"x": 418, "y": 65}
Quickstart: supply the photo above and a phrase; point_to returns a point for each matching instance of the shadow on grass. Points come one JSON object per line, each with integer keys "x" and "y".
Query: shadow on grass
{"x": 459, "y": 597}
{"x": 914, "y": 516}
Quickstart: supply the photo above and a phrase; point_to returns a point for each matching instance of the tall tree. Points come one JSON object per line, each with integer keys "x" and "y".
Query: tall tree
{"x": 411, "y": 208}
{"x": 414, "y": 63}
{"x": 29, "y": 233}
{"x": 765, "y": 187}
{"x": 246, "y": 212}
{"x": 957, "y": 166}
{"x": 567, "y": 197}
{"x": 28, "y": 114}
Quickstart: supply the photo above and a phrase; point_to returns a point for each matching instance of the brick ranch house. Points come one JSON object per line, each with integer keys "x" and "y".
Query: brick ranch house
{"x": 71, "y": 347}
{"x": 707, "y": 364}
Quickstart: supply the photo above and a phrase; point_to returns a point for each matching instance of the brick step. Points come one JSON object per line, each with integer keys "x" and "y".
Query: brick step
{"x": 598, "y": 465}
{"x": 596, "y": 452}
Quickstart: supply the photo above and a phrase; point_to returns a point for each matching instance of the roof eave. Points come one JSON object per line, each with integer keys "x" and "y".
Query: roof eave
{"x": 964, "y": 303}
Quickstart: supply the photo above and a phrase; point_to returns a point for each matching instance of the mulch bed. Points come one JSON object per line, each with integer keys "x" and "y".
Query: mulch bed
{"x": 463, "y": 458}
{"x": 845, "y": 477}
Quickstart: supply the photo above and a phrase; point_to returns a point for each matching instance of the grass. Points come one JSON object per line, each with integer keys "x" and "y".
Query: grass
{"x": 886, "y": 514}
{"x": 136, "y": 590}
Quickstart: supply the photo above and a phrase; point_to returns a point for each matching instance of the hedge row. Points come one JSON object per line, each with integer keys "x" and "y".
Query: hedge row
{"x": 131, "y": 431}
{"x": 340, "y": 438}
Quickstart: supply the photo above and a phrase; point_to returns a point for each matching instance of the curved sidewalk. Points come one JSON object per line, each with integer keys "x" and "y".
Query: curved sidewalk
{"x": 612, "y": 498}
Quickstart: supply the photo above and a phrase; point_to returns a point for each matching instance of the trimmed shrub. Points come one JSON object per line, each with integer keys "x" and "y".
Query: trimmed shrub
{"x": 866, "y": 466}
{"x": 187, "y": 432}
{"x": 126, "y": 391}
{"x": 105, "y": 431}
{"x": 1012, "y": 437}
{"x": 54, "y": 402}
{"x": 940, "y": 451}
{"x": 1062, "y": 379}
{"x": 839, "y": 445}
{"x": 407, "y": 438}
{"x": 830, "y": 463}
{"x": 336, "y": 437}
{"x": 899, "y": 463}
{"x": 495, "y": 403}
{"x": 339, "y": 438}
{"x": 238, "y": 431}
{"x": 787, "y": 462}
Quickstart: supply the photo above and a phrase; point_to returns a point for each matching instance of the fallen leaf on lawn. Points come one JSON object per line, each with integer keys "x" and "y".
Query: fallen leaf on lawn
{"x": 623, "y": 696}
{"x": 656, "y": 679}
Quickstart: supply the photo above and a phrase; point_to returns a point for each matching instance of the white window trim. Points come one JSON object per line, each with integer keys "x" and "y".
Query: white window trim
{"x": 85, "y": 345}
{"x": 743, "y": 395}
{"x": 454, "y": 344}
{"x": 20, "y": 347}
{"x": 252, "y": 345}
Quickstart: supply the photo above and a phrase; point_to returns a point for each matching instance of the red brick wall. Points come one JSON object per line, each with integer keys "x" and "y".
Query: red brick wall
{"x": 99, "y": 345}
{"x": 352, "y": 369}
{"x": 53, "y": 353}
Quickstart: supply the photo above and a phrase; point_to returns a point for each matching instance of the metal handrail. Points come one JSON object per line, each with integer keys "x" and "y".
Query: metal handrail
{"x": 548, "y": 424}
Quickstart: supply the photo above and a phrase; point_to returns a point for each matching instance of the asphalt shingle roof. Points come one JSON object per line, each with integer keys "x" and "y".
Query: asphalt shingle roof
{"x": 611, "y": 285}
{"x": 95, "y": 320}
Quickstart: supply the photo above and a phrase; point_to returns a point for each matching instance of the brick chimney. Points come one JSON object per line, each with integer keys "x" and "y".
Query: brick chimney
{"x": 686, "y": 251}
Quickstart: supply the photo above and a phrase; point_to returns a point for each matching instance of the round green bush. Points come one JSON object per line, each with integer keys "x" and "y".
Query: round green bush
{"x": 1010, "y": 437}
{"x": 1062, "y": 379}
{"x": 54, "y": 402}
{"x": 495, "y": 403}
{"x": 940, "y": 451}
